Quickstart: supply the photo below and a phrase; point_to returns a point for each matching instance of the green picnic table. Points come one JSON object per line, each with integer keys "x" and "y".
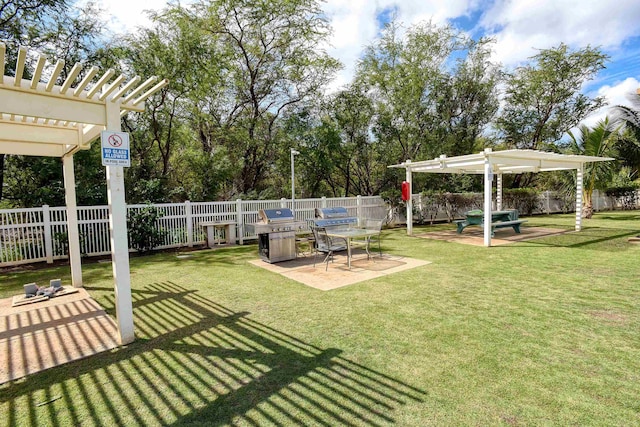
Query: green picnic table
{"x": 499, "y": 219}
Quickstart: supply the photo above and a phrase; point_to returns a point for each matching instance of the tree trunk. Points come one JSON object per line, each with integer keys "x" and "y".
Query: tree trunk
{"x": 587, "y": 210}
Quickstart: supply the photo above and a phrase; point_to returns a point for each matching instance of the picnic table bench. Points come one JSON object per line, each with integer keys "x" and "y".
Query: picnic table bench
{"x": 499, "y": 219}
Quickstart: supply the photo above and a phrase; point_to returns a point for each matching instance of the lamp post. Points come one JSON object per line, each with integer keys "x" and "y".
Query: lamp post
{"x": 293, "y": 182}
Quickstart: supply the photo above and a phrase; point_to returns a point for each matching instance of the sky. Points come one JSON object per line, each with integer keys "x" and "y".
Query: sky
{"x": 520, "y": 28}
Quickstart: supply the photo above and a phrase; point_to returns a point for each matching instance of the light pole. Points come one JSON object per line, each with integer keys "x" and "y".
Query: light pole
{"x": 293, "y": 182}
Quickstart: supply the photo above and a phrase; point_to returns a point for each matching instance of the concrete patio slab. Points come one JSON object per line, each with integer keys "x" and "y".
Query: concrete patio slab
{"x": 49, "y": 333}
{"x": 338, "y": 274}
{"x": 474, "y": 236}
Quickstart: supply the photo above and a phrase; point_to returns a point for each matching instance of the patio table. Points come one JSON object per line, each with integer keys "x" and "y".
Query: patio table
{"x": 496, "y": 216}
{"x": 499, "y": 219}
{"x": 228, "y": 226}
{"x": 353, "y": 233}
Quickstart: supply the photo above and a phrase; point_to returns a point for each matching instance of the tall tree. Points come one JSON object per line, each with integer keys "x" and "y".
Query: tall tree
{"x": 629, "y": 141}
{"x": 54, "y": 28}
{"x": 270, "y": 61}
{"x": 468, "y": 100}
{"x": 427, "y": 102}
{"x": 543, "y": 99}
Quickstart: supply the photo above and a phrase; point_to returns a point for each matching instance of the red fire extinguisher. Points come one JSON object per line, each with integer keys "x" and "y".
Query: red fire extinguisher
{"x": 406, "y": 191}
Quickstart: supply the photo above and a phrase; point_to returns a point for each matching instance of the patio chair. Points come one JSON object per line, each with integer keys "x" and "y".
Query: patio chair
{"x": 375, "y": 224}
{"x": 326, "y": 244}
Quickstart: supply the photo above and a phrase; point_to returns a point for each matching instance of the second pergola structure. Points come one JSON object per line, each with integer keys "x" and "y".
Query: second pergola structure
{"x": 496, "y": 163}
{"x": 41, "y": 118}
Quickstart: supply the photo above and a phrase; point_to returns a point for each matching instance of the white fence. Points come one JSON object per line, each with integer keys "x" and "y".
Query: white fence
{"x": 40, "y": 234}
{"x": 549, "y": 202}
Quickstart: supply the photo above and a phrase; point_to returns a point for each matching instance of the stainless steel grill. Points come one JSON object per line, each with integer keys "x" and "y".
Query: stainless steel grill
{"x": 334, "y": 217}
{"x": 276, "y": 232}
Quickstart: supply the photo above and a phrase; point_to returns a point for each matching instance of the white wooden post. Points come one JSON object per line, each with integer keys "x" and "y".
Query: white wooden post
{"x": 72, "y": 221}
{"x": 548, "y": 201}
{"x": 359, "y": 210}
{"x": 189, "y": 220}
{"x": 119, "y": 238}
{"x": 48, "y": 240}
{"x": 488, "y": 180}
{"x": 409, "y": 179}
{"x": 579, "y": 178}
{"x": 499, "y": 192}
{"x": 283, "y": 202}
{"x": 240, "y": 221}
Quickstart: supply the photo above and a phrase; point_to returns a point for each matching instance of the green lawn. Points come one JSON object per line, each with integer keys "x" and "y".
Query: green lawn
{"x": 545, "y": 332}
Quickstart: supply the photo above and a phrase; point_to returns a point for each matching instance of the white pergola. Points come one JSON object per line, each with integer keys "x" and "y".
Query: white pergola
{"x": 490, "y": 163}
{"x": 41, "y": 118}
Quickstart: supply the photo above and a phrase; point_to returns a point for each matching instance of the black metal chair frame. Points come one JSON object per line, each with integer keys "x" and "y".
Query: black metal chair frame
{"x": 326, "y": 244}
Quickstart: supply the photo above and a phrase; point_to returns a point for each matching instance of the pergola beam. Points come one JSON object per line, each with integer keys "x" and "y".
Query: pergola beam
{"x": 45, "y": 119}
{"x": 33, "y": 149}
{"x": 17, "y": 132}
{"x": 57, "y": 108}
{"x": 489, "y": 163}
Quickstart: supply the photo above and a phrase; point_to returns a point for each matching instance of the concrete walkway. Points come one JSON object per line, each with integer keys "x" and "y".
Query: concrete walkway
{"x": 39, "y": 336}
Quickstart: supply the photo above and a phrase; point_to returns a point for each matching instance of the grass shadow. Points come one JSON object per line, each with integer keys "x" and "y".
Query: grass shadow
{"x": 196, "y": 362}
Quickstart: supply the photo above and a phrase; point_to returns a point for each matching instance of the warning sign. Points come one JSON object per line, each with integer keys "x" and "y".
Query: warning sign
{"x": 115, "y": 148}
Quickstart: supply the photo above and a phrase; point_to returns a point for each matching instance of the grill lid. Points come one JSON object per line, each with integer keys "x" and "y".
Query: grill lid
{"x": 268, "y": 216}
{"x": 335, "y": 212}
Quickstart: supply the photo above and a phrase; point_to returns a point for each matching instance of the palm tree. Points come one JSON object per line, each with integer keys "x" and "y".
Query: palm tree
{"x": 629, "y": 141}
{"x": 594, "y": 142}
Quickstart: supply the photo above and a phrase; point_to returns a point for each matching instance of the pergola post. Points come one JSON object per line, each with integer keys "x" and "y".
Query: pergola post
{"x": 119, "y": 239}
{"x": 579, "y": 185}
{"x": 73, "y": 234}
{"x": 409, "y": 179}
{"x": 499, "y": 192}
{"x": 488, "y": 180}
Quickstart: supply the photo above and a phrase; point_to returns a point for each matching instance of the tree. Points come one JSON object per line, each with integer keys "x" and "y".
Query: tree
{"x": 23, "y": 22}
{"x": 629, "y": 141}
{"x": 434, "y": 90}
{"x": 543, "y": 99}
{"x": 269, "y": 61}
{"x": 51, "y": 27}
{"x": 356, "y": 158}
{"x": 594, "y": 142}
{"x": 469, "y": 100}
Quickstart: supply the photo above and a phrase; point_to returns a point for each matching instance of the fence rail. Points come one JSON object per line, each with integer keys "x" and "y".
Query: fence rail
{"x": 40, "y": 234}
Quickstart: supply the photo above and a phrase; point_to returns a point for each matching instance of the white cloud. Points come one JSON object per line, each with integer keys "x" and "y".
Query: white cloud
{"x": 522, "y": 26}
{"x": 124, "y": 16}
{"x": 615, "y": 95}
{"x": 355, "y": 26}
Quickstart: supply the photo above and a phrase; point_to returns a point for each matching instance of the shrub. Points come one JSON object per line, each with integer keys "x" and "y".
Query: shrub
{"x": 456, "y": 204}
{"x": 525, "y": 200}
{"x": 430, "y": 205}
{"x": 144, "y": 233}
{"x": 625, "y": 196}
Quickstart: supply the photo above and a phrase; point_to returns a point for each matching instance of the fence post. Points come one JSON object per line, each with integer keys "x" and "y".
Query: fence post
{"x": 359, "y": 209}
{"x": 283, "y": 202}
{"x": 323, "y": 202}
{"x": 189, "y": 219}
{"x": 48, "y": 241}
{"x": 548, "y": 201}
{"x": 240, "y": 221}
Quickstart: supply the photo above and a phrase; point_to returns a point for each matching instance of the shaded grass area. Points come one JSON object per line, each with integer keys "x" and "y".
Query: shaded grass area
{"x": 538, "y": 332}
